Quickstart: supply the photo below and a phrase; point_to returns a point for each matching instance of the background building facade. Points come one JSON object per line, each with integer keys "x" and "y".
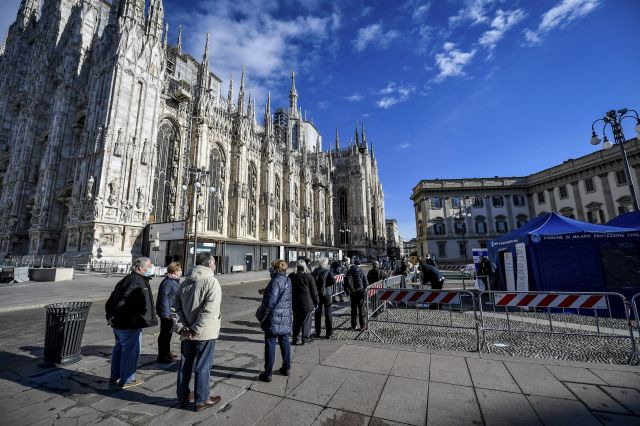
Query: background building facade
{"x": 395, "y": 245}
{"x": 455, "y": 215}
{"x": 104, "y": 126}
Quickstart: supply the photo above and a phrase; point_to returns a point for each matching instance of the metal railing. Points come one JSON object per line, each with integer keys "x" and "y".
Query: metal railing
{"x": 589, "y": 315}
{"x": 634, "y": 357}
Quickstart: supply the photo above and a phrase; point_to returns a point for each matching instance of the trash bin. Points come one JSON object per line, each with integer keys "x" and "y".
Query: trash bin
{"x": 6, "y": 274}
{"x": 64, "y": 330}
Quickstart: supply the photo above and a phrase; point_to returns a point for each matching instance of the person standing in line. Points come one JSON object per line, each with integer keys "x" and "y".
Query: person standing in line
{"x": 325, "y": 282}
{"x": 129, "y": 310}
{"x": 197, "y": 318}
{"x": 374, "y": 275}
{"x": 166, "y": 296}
{"x": 305, "y": 300}
{"x": 275, "y": 317}
{"x": 431, "y": 275}
{"x": 357, "y": 288}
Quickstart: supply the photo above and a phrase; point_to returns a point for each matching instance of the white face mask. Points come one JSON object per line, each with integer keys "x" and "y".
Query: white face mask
{"x": 151, "y": 270}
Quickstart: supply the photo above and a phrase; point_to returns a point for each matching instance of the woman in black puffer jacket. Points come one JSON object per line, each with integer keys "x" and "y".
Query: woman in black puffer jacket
{"x": 274, "y": 315}
{"x": 305, "y": 300}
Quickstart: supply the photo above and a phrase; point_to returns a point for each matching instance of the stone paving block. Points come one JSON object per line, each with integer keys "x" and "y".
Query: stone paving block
{"x": 306, "y": 354}
{"x": 404, "y": 400}
{"x": 622, "y": 379}
{"x": 290, "y": 412}
{"x": 247, "y": 409}
{"x": 616, "y": 419}
{"x": 575, "y": 374}
{"x": 320, "y": 386}
{"x": 432, "y": 351}
{"x": 498, "y": 357}
{"x": 359, "y": 393}
{"x": 78, "y": 415}
{"x": 277, "y": 386}
{"x": 596, "y": 399}
{"x": 348, "y": 356}
{"x": 298, "y": 373}
{"x": 414, "y": 365}
{"x": 562, "y": 412}
{"x": 598, "y": 366}
{"x": 142, "y": 412}
{"x": 333, "y": 417}
{"x": 489, "y": 374}
{"x": 377, "y": 360}
{"x": 328, "y": 348}
{"x": 535, "y": 379}
{"x": 452, "y": 405}
{"x": 9, "y": 388}
{"x": 505, "y": 408}
{"x": 449, "y": 369}
{"x": 629, "y": 398}
{"x": 32, "y": 413}
{"x": 24, "y": 399}
{"x": 383, "y": 422}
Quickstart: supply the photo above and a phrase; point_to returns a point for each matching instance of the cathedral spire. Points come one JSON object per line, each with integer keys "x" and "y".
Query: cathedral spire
{"x": 241, "y": 94}
{"x": 4, "y": 44}
{"x": 180, "y": 40}
{"x": 205, "y": 55}
{"x": 364, "y": 139}
{"x": 230, "y": 94}
{"x": 337, "y": 141}
{"x": 249, "y": 107}
{"x": 131, "y": 9}
{"x": 268, "y": 125}
{"x": 357, "y": 140}
{"x": 27, "y": 10}
{"x": 204, "y": 67}
{"x": 166, "y": 35}
{"x": 293, "y": 95}
{"x": 155, "y": 18}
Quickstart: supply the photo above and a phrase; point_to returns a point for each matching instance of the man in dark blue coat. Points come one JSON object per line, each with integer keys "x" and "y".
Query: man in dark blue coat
{"x": 166, "y": 296}
{"x": 358, "y": 284}
{"x": 276, "y": 317}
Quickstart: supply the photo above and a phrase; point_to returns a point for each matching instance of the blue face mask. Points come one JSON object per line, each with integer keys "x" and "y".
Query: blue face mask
{"x": 151, "y": 270}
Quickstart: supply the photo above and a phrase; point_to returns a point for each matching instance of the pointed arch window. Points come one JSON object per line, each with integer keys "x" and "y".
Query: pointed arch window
{"x": 252, "y": 213}
{"x": 216, "y": 204}
{"x": 165, "y": 173}
{"x": 342, "y": 199}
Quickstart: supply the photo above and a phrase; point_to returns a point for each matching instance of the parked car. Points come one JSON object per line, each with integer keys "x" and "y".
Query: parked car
{"x": 468, "y": 271}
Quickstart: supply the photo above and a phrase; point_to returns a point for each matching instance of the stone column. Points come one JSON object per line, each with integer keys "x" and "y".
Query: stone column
{"x": 552, "y": 199}
{"x": 608, "y": 198}
{"x": 578, "y": 199}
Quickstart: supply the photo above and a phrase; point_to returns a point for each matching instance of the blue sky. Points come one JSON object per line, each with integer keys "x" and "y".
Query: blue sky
{"x": 447, "y": 88}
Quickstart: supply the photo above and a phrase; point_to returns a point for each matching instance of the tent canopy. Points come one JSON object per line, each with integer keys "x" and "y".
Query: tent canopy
{"x": 626, "y": 220}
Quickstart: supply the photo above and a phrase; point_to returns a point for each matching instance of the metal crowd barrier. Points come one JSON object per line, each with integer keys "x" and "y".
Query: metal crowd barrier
{"x": 337, "y": 289}
{"x": 444, "y": 309}
{"x": 554, "y": 313}
{"x": 634, "y": 358}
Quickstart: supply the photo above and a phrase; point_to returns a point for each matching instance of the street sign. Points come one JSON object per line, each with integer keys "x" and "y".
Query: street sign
{"x": 168, "y": 231}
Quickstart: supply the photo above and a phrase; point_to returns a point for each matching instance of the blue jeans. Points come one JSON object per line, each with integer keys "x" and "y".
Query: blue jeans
{"x": 270, "y": 352}
{"x": 125, "y": 354}
{"x": 200, "y": 352}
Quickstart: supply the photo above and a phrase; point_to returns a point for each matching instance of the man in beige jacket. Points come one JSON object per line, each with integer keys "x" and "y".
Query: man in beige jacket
{"x": 196, "y": 315}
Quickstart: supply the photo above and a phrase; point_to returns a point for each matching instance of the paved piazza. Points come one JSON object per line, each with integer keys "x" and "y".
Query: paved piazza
{"x": 332, "y": 382}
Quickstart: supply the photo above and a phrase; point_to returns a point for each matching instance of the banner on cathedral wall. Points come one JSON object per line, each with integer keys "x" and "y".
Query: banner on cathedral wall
{"x": 167, "y": 231}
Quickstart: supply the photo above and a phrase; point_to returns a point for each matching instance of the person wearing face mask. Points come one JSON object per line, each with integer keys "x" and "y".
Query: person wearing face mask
{"x": 129, "y": 310}
{"x": 166, "y": 296}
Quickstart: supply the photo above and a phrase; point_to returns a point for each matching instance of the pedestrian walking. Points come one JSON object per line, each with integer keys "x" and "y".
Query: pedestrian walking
{"x": 166, "y": 296}
{"x": 196, "y": 313}
{"x": 357, "y": 287}
{"x": 275, "y": 317}
{"x": 304, "y": 301}
{"x": 129, "y": 310}
{"x": 431, "y": 275}
{"x": 325, "y": 281}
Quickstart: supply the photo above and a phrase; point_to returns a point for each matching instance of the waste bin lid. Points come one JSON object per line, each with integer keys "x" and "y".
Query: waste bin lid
{"x": 68, "y": 306}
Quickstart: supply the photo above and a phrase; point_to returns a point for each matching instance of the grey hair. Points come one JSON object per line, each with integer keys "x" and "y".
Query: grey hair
{"x": 323, "y": 262}
{"x": 139, "y": 263}
{"x": 376, "y": 264}
{"x": 204, "y": 258}
{"x": 301, "y": 265}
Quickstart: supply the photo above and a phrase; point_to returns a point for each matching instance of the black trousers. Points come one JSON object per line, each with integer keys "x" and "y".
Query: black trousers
{"x": 302, "y": 322}
{"x": 357, "y": 309}
{"x": 164, "y": 339}
{"x": 325, "y": 302}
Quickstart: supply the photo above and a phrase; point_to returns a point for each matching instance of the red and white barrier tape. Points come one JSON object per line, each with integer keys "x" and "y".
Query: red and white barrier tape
{"x": 419, "y": 296}
{"x": 534, "y": 300}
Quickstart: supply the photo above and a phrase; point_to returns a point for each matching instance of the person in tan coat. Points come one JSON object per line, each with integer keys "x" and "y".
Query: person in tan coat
{"x": 196, "y": 315}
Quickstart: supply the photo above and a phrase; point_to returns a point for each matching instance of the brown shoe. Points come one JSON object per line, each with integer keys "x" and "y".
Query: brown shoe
{"x": 207, "y": 404}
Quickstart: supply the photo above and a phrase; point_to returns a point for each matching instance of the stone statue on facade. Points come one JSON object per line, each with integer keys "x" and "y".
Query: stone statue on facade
{"x": 144, "y": 158}
{"x": 117, "y": 147}
{"x": 90, "y": 184}
{"x": 113, "y": 188}
{"x": 140, "y": 197}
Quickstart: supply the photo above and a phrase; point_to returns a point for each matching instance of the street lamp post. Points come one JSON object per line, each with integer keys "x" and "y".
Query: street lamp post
{"x": 614, "y": 118}
{"x": 461, "y": 215}
{"x": 199, "y": 178}
{"x": 344, "y": 229}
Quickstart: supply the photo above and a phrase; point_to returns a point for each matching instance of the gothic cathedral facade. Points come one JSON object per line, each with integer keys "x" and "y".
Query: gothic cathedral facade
{"x": 105, "y": 127}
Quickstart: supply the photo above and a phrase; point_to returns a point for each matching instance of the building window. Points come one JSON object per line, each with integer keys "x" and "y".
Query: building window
{"x": 252, "y": 201}
{"x": 624, "y": 204}
{"x": 216, "y": 206}
{"x": 459, "y": 227}
{"x": 166, "y": 172}
{"x": 436, "y": 203}
{"x": 438, "y": 226}
{"x": 521, "y": 219}
{"x": 442, "y": 249}
{"x": 501, "y": 225}
{"x": 541, "y": 197}
{"x": 518, "y": 200}
{"x": 342, "y": 198}
{"x": 595, "y": 214}
{"x": 497, "y": 200}
{"x": 481, "y": 225}
{"x": 563, "y": 191}
{"x": 567, "y": 212}
{"x": 621, "y": 177}
{"x": 456, "y": 202}
{"x": 478, "y": 202}
{"x": 463, "y": 248}
{"x": 483, "y": 244}
{"x": 589, "y": 186}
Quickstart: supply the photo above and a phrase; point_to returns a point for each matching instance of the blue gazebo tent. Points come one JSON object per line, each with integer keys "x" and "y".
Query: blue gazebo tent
{"x": 626, "y": 220}
{"x": 565, "y": 254}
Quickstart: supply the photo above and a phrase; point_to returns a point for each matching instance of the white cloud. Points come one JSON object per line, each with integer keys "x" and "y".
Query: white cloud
{"x": 560, "y": 15}
{"x": 404, "y": 145}
{"x": 452, "y": 61}
{"x": 393, "y": 94}
{"x": 253, "y": 33}
{"x": 323, "y": 104}
{"x": 355, "y": 97}
{"x": 366, "y": 11}
{"x": 502, "y": 23}
{"x": 374, "y": 35}
{"x": 474, "y": 11}
{"x": 420, "y": 12}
